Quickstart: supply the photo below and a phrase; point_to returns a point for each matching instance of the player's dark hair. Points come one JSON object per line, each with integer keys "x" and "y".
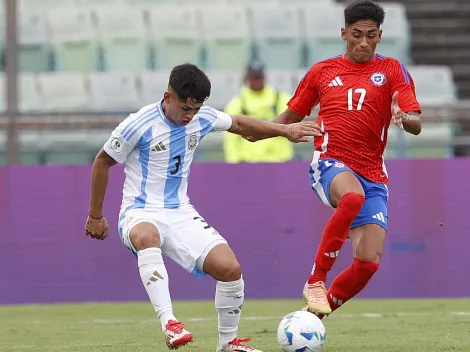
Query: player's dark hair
{"x": 364, "y": 10}
{"x": 188, "y": 81}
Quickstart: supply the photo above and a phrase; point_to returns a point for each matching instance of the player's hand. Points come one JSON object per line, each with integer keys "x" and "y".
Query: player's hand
{"x": 397, "y": 114}
{"x": 303, "y": 131}
{"x": 96, "y": 228}
{"x": 252, "y": 138}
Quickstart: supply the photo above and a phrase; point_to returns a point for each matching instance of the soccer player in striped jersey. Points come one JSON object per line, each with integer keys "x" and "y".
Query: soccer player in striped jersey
{"x": 360, "y": 93}
{"x": 157, "y": 146}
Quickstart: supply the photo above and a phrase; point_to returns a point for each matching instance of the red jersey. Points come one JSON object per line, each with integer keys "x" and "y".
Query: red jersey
{"x": 355, "y": 109}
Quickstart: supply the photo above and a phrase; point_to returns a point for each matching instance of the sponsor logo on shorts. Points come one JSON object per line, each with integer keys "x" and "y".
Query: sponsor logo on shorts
{"x": 339, "y": 165}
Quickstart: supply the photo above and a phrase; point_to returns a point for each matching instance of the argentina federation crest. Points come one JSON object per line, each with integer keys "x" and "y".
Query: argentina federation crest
{"x": 192, "y": 142}
{"x": 378, "y": 79}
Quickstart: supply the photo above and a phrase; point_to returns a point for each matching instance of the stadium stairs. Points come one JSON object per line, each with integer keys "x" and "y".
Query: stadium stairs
{"x": 441, "y": 37}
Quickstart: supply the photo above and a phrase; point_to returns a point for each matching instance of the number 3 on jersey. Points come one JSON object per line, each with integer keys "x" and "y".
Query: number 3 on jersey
{"x": 362, "y": 95}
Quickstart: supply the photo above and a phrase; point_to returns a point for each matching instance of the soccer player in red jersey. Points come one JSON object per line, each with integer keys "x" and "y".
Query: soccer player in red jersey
{"x": 359, "y": 94}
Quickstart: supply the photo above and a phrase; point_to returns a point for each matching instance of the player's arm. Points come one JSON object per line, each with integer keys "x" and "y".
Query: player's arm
{"x": 301, "y": 104}
{"x": 99, "y": 182}
{"x": 305, "y": 98}
{"x": 247, "y": 126}
{"x": 288, "y": 117}
{"x": 405, "y": 106}
{"x": 412, "y": 122}
{"x": 122, "y": 141}
{"x": 250, "y": 127}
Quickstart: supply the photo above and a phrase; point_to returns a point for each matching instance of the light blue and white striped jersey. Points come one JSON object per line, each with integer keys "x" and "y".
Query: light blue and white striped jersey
{"x": 157, "y": 154}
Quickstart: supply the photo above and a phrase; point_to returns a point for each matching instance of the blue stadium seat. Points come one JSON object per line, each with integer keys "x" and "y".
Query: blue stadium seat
{"x": 122, "y": 31}
{"x": 74, "y": 39}
{"x": 113, "y": 91}
{"x": 33, "y": 42}
{"x": 276, "y": 33}
{"x": 175, "y": 33}
{"x": 63, "y": 91}
{"x": 225, "y": 30}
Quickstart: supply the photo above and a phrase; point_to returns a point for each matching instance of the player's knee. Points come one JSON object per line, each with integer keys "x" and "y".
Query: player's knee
{"x": 144, "y": 238}
{"x": 365, "y": 270}
{"x": 228, "y": 271}
{"x": 368, "y": 255}
{"x": 352, "y": 203}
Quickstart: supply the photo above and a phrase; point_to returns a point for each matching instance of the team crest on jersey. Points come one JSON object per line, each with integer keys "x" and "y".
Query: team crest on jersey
{"x": 378, "y": 79}
{"x": 192, "y": 142}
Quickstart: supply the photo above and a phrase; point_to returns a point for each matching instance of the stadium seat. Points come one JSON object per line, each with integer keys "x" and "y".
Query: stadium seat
{"x": 153, "y": 2}
{"x": 434, "y": 141}
{"x": 175, "y": 32}
{"x": 74, "y": 39}
{"x": 113, "y": 91}
{"x": 276, "y": 32}
{"x": 226, "y": 33}
{"x": 310, "y": 2}
{"x": 323, "y": 32}
{"x": 225, "y": 86}
{"x": 434, "y": 84}
{"x": 33, "y": 42}
{"x": 29, "y": 98}
{"x": 396, "y": 37}
{"x": 88, "y": 3}
{"x": 63, "y": 91}
{"x": 281, "y": 80}
{"x": 43, "y": 5}
{"x": 122, "y": 33}
{"x": 152, "y": 86}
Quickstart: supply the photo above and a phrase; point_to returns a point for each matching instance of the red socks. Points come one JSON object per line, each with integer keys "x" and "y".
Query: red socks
{"x": 350, "y": 282}
{"x": 334, "y": 235}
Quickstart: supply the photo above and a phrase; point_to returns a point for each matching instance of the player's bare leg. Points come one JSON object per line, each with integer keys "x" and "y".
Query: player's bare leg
{"x": 347, "y": 195}
{"x": 146, "y": 240}
{"x": 222, "y": 264}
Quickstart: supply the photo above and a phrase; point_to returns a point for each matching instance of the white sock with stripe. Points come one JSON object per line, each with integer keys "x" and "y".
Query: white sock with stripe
{"x": 155, "y": 279}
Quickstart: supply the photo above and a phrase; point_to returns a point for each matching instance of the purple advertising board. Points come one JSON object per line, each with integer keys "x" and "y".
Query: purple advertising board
{"x": 267, "y": 212}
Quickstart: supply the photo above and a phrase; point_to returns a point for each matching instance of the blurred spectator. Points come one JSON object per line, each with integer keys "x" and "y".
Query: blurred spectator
{"x": 264, "y": 102}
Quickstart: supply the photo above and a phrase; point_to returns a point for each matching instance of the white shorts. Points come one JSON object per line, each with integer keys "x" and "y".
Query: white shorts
{"x": 185, "y": 236}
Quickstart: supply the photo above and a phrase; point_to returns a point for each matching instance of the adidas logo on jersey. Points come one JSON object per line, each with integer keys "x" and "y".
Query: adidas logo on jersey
{"x": 160, "y": 147}
{"x": 336, "y": 82}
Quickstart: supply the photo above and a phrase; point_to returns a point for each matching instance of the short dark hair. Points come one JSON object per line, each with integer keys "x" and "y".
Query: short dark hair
{"x": 364, "y": 10}
{"x": 188, "y": 81}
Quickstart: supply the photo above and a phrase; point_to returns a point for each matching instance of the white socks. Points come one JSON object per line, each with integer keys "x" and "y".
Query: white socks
{"x": 228, "y": 296}
{"x": 155, "y": 279}
{"x": 228, "y": 302}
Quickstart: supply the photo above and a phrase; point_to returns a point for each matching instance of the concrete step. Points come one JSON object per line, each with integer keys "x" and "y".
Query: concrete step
{"x": 461, "y": 72}
{"x": 464, "y": 89}
{"x": 441, "y": 26}
{"x": 438, "y": 10}
{"x": 433, "y": 56}
{"x": 440, "y": 41}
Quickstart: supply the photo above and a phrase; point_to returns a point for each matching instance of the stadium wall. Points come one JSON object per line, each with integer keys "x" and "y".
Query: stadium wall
{"x": 267, "y": 212}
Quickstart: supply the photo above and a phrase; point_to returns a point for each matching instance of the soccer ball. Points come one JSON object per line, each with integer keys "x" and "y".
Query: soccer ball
{"x": 301, "y": 332}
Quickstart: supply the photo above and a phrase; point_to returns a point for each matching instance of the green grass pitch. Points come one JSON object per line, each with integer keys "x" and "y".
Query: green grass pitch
{"x": 359, "y": 326}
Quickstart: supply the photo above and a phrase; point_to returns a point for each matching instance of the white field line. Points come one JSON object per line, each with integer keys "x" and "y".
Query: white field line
{"x": 255, "y": 318}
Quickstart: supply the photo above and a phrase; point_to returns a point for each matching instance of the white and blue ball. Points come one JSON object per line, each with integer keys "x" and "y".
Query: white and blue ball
{"x": 301, "y": 332}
